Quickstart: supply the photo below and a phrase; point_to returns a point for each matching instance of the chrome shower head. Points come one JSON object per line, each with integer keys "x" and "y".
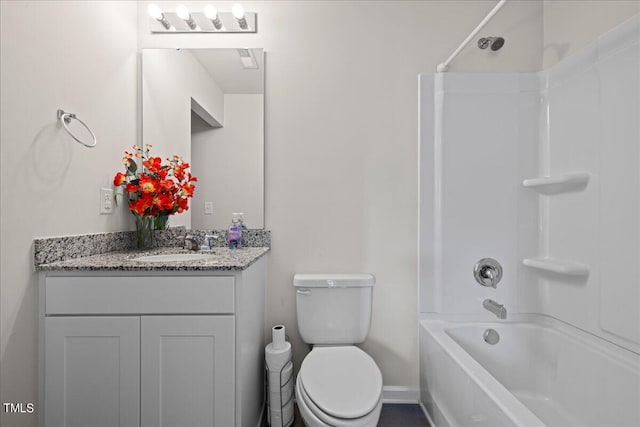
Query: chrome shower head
{"x": 495, "y": 43}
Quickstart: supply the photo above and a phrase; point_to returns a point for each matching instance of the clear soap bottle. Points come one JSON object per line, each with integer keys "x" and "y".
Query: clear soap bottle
{"x": 234, "y": 234}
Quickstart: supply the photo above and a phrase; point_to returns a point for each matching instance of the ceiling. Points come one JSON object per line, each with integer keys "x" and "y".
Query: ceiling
{"x": 226, "y": 69}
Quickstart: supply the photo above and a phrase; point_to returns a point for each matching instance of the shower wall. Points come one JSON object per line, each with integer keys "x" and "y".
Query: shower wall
{"x": 479, "y": 140}
{"x": 593, "y": 109}
{"x": 576, "y": 126}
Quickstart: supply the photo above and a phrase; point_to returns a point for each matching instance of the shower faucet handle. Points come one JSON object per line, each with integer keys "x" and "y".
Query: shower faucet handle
{"x": 488, "y": 272}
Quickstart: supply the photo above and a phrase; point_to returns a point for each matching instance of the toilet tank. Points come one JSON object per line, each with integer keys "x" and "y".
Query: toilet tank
{"x": 333, "y": 308}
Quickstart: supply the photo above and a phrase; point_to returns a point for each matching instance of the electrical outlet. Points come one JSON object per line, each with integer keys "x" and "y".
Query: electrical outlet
{"x": 208, "y": 208}
{"x": 106, "y": 201}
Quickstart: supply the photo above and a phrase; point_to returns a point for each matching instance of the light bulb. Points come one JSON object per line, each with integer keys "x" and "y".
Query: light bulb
{"x": 238, "y": 11}
{"x": 155, "y": 12}
{"x": 183, "y": 12}
{"x": 210, "y": 12}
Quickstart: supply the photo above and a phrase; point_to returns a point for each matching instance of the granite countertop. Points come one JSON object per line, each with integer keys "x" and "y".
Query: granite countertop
{"x": 223, "y": 259}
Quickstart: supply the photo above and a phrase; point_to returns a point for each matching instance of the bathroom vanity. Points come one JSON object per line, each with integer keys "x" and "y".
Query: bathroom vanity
{"x": 135, "y": 343}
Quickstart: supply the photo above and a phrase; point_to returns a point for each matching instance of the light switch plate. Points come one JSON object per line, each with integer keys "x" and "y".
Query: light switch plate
{"x": 208, "y": 208}
{"x": 106, "y": 200}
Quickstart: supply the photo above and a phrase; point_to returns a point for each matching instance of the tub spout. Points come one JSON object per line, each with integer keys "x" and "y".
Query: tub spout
{"x": 495, "y": 308}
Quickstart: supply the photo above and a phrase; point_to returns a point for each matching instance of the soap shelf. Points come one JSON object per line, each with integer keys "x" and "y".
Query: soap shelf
{"x": 558, "y": 266}
{"x": 558, "y": 184}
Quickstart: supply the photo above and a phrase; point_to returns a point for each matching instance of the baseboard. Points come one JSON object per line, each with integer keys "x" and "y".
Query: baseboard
{"x": 400, "y": 394}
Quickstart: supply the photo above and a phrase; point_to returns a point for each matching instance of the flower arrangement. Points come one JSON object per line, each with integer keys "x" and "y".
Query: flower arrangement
{"x": 156, "y": 190}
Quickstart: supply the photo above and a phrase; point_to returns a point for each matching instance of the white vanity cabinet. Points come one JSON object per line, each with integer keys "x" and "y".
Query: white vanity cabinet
{"x": 152, "y": 348}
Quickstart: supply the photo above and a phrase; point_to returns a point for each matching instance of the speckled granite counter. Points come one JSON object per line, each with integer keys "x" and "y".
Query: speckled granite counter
{"x": 222, "y": 259}
{"x": 115, "y": 251}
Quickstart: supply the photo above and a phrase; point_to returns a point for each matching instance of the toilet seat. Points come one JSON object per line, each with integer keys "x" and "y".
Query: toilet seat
{"x": 314, "y": 417}
{"x": 340, "y": 386}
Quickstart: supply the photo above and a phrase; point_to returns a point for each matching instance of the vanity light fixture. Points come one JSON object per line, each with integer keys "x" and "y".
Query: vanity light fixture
{"x": 208, "y": 20}
{"x": 212, "y": 14}
{"x": 155, "y": 12}
{"x": 183, "y": 13}
{"x": 238, "y": 13}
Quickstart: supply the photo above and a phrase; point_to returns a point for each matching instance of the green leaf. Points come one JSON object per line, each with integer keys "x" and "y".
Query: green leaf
{"x": 133, "y": 167}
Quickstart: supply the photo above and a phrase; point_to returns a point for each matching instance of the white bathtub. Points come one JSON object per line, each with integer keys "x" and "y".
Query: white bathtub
{"x": 542, "y": 372}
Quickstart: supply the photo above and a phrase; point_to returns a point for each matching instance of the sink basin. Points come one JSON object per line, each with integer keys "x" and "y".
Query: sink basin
{"x": 174, "y": 257}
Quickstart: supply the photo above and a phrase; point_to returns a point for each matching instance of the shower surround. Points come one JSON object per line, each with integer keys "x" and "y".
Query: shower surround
{"x": 540, "y": 171}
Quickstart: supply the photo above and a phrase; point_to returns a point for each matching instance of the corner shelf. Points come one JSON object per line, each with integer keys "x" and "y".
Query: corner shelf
{"x": 558, "y": 184}
{"x": 558, "y": 266}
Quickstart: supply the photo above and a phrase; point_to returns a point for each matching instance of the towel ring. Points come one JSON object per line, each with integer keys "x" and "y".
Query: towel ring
{"x": 65, "y": 118}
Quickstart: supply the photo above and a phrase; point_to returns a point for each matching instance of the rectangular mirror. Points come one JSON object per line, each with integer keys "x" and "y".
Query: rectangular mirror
{"x": 207, "y": 105}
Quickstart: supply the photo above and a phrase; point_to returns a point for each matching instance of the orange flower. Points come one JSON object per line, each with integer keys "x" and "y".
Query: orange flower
{"x": 148, "y": 185}
{"x": 119, "y": 179}
{"x": 163, "y": 202}
{"x": 155, "y": 188}
{"x": 132, "y": 188}
{"x": 141, "y": 205}
{"x": 154, "y": 164}
{"x": 186, "y": 190}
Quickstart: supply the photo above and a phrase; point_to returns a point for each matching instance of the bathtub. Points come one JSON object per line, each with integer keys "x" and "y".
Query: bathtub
{"x": 542, "y": 372}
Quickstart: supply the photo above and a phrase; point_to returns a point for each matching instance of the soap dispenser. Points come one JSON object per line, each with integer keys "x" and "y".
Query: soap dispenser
{"x": 234, "y": 234}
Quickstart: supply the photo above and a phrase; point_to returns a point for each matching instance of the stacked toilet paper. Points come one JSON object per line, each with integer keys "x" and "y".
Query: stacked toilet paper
{"x": 281, "y": 381}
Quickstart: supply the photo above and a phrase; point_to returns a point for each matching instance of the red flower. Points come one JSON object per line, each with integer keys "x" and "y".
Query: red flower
{"x": 142, "y": 204}
{"x": 163, "y": 202}
{"x": 154, "y": 164}
{"x": 119, "y": 179}
{"x": 148, "y": 185}
{"x": 132, "y": 188}
{"x": 156, "y": 188}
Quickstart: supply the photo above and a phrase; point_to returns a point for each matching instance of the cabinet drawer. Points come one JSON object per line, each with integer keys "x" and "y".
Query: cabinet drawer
{"x": 139, "y": 295}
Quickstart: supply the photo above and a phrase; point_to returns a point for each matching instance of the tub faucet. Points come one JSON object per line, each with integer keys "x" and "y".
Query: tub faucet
{"x": 495, "y": 308}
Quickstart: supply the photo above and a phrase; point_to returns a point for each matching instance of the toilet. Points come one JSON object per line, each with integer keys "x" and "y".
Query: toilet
{"x": 338, "y": 384}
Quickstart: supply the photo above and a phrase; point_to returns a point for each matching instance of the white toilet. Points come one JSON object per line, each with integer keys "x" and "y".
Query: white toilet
{"x": 338, "y": 384}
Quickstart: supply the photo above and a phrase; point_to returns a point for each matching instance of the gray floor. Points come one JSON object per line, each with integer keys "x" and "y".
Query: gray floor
{"x": 393, "y": 415}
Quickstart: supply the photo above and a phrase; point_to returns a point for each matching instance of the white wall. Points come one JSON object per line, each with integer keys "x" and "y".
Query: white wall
{"x": 588, "y": 20}
{"x": 341, "y": 124}
{"x": 79, "y": 56}
{"x": 171, "y": 79}
{"x": 229, "y": 164}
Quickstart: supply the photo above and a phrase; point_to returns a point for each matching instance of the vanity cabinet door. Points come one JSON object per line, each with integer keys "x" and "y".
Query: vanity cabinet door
{"x": 92, "y": 371}
{"x": 187, "y": 374}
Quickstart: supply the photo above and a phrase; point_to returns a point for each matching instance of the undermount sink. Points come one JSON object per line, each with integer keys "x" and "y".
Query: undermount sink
{"x": 174, "y": 257}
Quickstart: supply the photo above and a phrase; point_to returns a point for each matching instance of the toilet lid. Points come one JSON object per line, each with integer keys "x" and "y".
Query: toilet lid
{"x": 344, "y": 382}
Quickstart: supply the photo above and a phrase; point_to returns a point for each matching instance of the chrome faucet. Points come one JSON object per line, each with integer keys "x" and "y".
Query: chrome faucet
{"x": 208, "y": 241}
{"x": 488, "y": 272}
{"x": 495, "y": 308}
{"x": 191, "y": 243}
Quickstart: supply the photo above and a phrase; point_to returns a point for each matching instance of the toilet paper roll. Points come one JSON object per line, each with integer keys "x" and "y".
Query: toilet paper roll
{"x": 278, "y": 337}
{"x": 281, "y": 391}
{"x": 284, "y": 396}
{"x": 282, "y": 418}
{"x": 277, "y": 358}
{"x": 277, "y": 380}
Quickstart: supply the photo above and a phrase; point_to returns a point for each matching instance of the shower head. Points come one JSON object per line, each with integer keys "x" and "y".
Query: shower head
{"x": 495, "y": 43}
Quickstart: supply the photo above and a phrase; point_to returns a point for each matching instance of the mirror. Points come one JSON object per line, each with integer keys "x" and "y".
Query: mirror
{"x": 207, "y": 105}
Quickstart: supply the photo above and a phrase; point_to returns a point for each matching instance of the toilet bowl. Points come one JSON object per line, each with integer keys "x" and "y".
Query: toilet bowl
{"x": 339, "y": 386}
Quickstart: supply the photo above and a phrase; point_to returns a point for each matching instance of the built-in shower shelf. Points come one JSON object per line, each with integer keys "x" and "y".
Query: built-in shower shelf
{"x": 558, "y": 184}
{"x": 558, "y": 266}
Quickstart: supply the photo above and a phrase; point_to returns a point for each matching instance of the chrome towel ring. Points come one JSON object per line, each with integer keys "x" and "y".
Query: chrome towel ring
{"x": 65, "y": 118}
